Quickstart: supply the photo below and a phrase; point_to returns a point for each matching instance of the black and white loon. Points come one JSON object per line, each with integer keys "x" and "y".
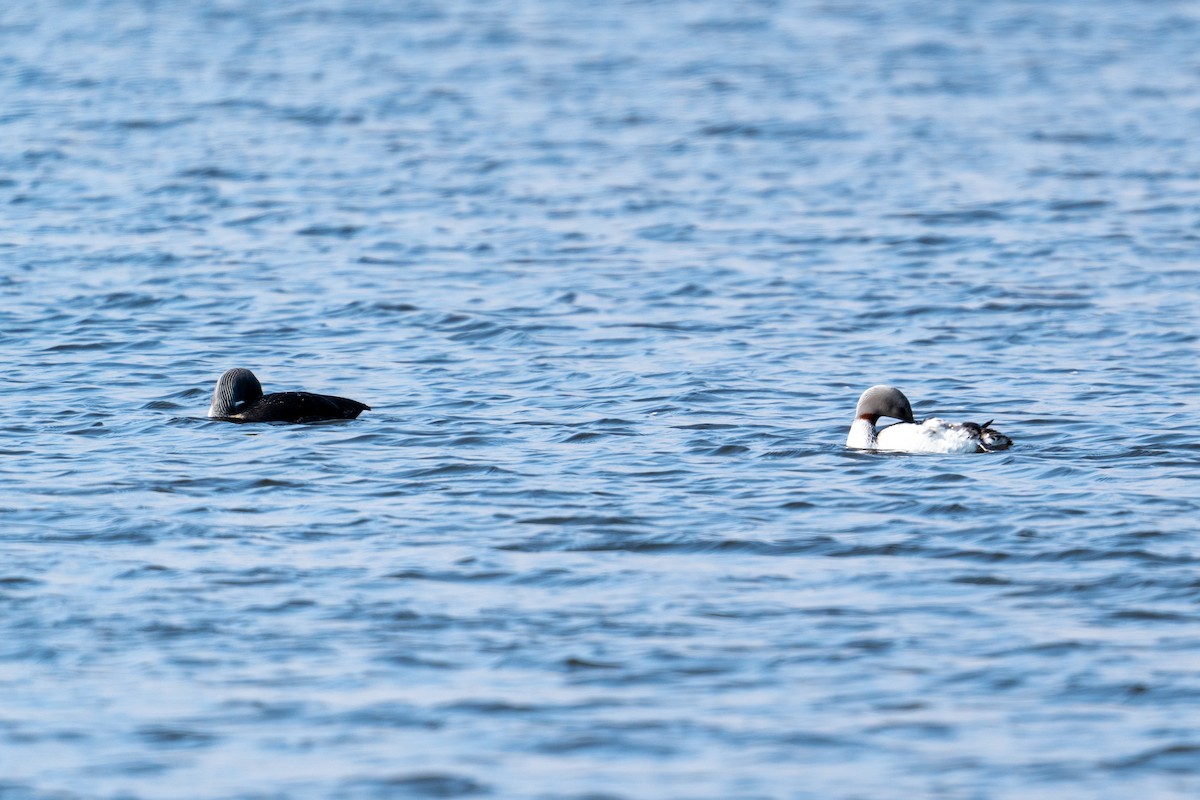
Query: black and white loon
{"x": 909, "y": 436}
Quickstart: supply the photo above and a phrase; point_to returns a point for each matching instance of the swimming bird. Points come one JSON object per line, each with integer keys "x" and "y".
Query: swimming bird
{"x": 239, "y": 398}
{"x": 908, "y": 436}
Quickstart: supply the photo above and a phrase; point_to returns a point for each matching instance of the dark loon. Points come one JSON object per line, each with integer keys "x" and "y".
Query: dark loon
{"x": 239, "y": 398}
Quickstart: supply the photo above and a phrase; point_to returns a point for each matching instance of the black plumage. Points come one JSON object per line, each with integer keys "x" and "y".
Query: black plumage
{"x": 238, "y": 397}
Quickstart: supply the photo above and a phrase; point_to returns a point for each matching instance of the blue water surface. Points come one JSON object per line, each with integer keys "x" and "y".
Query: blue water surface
{"x": 612, "y": 277}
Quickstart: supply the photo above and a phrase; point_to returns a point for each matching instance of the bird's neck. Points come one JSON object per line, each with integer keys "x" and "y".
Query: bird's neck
{"x": 862, "y": 433}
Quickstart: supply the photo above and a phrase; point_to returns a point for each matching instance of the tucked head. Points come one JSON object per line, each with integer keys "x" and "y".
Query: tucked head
{"x": 883, "y": 401}
{"x": 236, "y": 388}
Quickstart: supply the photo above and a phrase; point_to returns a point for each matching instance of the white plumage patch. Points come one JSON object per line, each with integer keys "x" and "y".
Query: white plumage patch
{"x": 931, "y": 436}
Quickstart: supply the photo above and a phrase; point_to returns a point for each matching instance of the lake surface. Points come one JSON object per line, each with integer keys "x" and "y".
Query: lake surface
{"x": 612, "y": 277}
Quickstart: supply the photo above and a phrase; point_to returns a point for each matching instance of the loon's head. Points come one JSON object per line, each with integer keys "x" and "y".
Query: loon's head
{"x": 236, "y": 389}
{"x": 883, "y": 401}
